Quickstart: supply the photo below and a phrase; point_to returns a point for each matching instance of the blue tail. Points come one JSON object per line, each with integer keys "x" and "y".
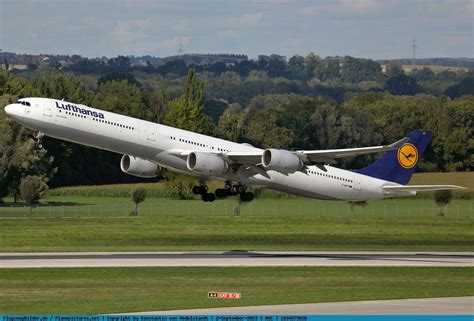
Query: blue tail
{"x": 398, "y": 165}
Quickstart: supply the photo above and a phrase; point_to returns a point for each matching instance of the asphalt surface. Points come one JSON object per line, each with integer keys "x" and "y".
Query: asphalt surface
{"x": 430, "y": 306}
{"x": 235, "y": 258}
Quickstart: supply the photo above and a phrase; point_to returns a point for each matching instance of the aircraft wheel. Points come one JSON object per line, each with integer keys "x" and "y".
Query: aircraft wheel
{"x": 202, "y": 189}
{"x": 195, "y": 190}
{"x": 208, "y": 197}
{"x": 237, "y": 189}
{"x": 246, "y": 197}
{"x": 221, "y": 192}
{"x": 211, "y": 197}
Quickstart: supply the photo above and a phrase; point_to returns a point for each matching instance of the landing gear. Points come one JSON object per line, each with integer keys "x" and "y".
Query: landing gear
{"x": 222, "y": 192}
{"x": 39, "y": 138}
{"x": 208, "y": 197}
{"x": 201, "y": 189}
{"x": 228, "y": 190}
{"x": 246, "y": 196}
{"x": 233, "y": 190}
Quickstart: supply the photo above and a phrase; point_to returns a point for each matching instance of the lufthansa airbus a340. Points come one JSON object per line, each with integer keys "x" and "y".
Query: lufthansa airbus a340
{"x": 149, "y": 148}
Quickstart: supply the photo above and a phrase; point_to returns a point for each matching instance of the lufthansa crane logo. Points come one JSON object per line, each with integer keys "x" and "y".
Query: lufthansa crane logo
{"x": 407, "y": 156}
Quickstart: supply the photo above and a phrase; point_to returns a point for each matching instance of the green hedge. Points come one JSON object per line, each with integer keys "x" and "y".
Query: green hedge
{"x": 168, "y": 190}
{"x": 118, "y": 190}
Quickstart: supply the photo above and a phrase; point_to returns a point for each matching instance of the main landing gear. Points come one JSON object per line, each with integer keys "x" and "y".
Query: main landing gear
{"x": 202, "y": 190}
{"x": 228, "y": 190}
{"x": 39, "y": 140}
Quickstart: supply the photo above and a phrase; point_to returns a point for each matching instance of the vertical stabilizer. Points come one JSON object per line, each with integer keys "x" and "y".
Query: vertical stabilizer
{"x": 398, "y": 165}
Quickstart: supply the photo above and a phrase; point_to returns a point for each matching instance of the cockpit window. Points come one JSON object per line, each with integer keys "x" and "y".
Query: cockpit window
{"x": 23, "y": 103}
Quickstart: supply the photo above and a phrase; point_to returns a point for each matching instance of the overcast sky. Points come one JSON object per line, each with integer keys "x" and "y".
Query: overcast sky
{"x": 360, "y": 28}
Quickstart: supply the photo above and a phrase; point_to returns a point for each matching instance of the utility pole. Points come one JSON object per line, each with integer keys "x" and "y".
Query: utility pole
{"x": 413, "y": 52}
{"x": 180, "y": 47}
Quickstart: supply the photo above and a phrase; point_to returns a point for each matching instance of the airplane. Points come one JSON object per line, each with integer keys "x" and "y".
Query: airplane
{"x": 150, "y": 148}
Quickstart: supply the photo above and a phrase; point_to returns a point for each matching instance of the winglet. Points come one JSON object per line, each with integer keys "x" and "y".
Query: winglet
{"x": 397, "y": 144}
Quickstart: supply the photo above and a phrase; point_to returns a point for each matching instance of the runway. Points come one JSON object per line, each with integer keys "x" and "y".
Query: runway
{"x": 234, "y": 258}
{"x": 430, "y": 306}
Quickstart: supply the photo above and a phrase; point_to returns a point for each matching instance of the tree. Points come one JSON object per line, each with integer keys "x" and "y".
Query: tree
{"x": 312, "y": 62}
{"x": 118, "y": 77}
{"x": 356, "y": 70}
{"x": 263, "y": 130}
{"x": 394, "y": 68}
{"x": 402, "y": 85}
{"x": 158, "y": 102}
{"x": 65, "y": 87}
{"x": 32, "y": 189}
{"x": 120, "y": 97}
{"x": 465, "y": 87}
{"x": 442, "y": 198}
{"x": 138, "y": 196}
{"x": 231, "y": 123}
{"x": 186, "y": 112}
{"x": 18, "y": 156}
{"x": 296, "y": 65}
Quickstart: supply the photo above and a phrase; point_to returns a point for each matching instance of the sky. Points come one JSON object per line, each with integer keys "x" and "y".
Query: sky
{"x": 360, "y": 28}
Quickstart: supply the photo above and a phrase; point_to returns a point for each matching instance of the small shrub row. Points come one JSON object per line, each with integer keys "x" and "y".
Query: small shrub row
{"x": 118, "y": 190}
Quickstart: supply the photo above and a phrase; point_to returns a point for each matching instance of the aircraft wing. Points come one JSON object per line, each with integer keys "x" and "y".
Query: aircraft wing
{"x": 329, "y": 156}
{"x": 420, "y": 188}
{"x": 307, "y": 156}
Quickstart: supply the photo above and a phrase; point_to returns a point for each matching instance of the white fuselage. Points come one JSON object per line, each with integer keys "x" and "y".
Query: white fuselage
{"x": 158, "y": 143}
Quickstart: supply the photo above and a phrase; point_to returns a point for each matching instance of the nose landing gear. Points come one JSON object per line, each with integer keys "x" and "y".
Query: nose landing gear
{"x": 39, "y": 140}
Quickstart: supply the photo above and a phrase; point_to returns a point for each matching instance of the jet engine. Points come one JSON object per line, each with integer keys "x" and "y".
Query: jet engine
{"x": 140, "y": 167}
{"x": 281, "y": 161}
{"x": 206, "y": 163}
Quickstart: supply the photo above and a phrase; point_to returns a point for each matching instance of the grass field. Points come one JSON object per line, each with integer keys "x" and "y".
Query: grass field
{"x": 103, "y": 224}
{"x": 68, "y": 222}
{"x": 465, "y": 179}
{"x": 113, "y": 290}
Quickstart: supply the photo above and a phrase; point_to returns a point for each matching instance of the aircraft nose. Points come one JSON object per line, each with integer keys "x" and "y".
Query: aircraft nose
{"x": 9, "y": 109}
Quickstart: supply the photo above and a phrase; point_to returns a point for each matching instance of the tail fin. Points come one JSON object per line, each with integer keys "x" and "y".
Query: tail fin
{"x": 398, "y": 165}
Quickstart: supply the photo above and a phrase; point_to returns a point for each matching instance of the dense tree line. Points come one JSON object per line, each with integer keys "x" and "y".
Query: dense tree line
{"x": 305, "y": 103}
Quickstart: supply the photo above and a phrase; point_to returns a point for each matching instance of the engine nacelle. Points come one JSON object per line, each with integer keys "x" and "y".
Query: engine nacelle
{"x": 140, "y": 167}
{"x": 206, "y": 163}
{"x": 281, "y": 161}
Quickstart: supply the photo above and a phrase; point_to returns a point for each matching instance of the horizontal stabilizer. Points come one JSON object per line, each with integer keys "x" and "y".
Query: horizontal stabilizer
{"x": 420, "y": 188}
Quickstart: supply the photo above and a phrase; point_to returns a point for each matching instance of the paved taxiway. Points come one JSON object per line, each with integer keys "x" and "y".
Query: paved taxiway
{"x": 235, "y": 258}
{"x": 430, "y": 306}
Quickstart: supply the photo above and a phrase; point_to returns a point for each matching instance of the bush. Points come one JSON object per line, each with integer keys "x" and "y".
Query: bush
{"x": 179, "y": 188}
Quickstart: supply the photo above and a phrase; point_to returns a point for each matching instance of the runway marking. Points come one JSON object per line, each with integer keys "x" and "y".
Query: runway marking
{"x": 234, "y": 258}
